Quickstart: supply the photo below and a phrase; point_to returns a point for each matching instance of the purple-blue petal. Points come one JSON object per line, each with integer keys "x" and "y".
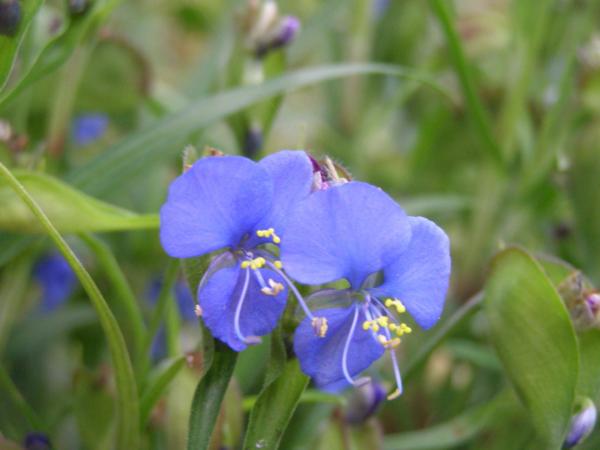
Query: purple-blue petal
{"x": 420, "y": 276}
{"x": 219, "y": 298}
{"x": 291, "y": 172}
{"x": 349, "y": 231}
{"x": 321, "y": 358}
{"x": 56, "y": 279}
{"x": 214, "y": 205}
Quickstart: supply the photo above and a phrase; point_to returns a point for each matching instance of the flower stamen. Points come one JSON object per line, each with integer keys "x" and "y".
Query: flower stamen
{"x": 400, "y": 308}
{"x": 320, "y": 326}
{"x": 273, "y": 289}
{"x": 254, "y": 264}
{"x": 269, "y": 233}
{"x": 238, "y": 311}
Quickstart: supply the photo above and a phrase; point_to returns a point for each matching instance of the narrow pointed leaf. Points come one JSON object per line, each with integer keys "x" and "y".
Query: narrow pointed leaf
{"x": 68, "y": 209}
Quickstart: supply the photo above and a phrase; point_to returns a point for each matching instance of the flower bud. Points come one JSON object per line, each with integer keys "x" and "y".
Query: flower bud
{"x": 264, "y": 29}
{"x": 583, "y": 303}
{"x": 10, "y": 17}
{"x": 364, "y": 402}
{"x": 37, "y": 441}
{"x": 582, "y": 423}
{"x": 78, "y": 7}
{"x": 253, "y": 141}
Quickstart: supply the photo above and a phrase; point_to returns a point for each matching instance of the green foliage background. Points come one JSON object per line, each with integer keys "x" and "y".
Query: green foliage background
{"x": 482, "y": 115}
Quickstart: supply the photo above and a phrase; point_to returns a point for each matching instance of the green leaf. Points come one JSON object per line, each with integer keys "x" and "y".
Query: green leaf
{"x": 69, "y": 210}
{"x": 274, "y": 408}
{"x": 158, "y": 380}
{"x": 208, "y": 397}
{"x": 534, "y": 337}
{"x": 9, "y": 45}
{"x": 162, "y": 140}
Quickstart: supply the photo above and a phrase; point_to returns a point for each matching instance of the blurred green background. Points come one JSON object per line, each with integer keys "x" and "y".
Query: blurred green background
{"x": 482, "y": 115}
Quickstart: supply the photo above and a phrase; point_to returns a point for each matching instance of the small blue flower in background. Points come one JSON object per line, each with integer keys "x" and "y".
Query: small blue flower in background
{"x": 185, "y": 307}
{"x": 56, "y": 279}
{"x": 37, "y": 441}
{"x": 582, "y": 423}
{"x": 356, "y": 232}
{"x": 233, "y": 204}
{"x": 88, "y": 128}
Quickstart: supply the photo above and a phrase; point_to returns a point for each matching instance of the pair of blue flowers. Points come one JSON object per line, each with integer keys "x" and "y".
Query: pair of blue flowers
{"x": 278, "y": 220}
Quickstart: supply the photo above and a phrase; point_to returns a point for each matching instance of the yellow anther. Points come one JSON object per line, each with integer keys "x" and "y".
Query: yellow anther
{"x": 382, "y": 339}
{"x": 320, "y": 326}
{"x": 273, "y": 289}
{"x": 399, "y": 307}
{"x": 366, "y": 325}
{"x": 383, "y": 321}
{"x": 375, "y": 327}
{"x": 270, "y": 232}
{"x": 254, "y": 264}
{"x": 394, "y": 394}
{"x": 393, "y": 327}
{"x": 388, "y": 302}
{"x": 278, "y": 264}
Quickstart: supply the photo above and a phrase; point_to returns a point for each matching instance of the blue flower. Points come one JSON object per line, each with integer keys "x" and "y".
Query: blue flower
{"x": 88, "y": 128}
{"x": 37, "y": 441}
{"x": 56, "y": 279}
{"x": 358, "y": 233}
{"x": 240, "y": 207}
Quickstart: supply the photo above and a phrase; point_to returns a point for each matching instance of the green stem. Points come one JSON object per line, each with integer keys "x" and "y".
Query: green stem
{"x": 127, "y": 300}
{"x": 439, "y": 334}
{"x": 19, "y": 401}
{"x": 159, "y": 311}
{"x": 13, "y": 285}
{"x": 127, "y": 400}
{"x": 474, "y": 106}
{"x": 70, "y": 76}
{"x": 208, "y": 397}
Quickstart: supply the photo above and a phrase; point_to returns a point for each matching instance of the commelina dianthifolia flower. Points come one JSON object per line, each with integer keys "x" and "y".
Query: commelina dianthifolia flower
{"x": 392, "y": 263}
{"x": 233, "y": 204}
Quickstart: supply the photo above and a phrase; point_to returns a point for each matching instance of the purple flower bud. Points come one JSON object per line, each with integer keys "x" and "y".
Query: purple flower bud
{"x": 10, "y": 17}
{"x": 288, "y": 29}
{"x": 582, "y": 423}
{"x": 365, "y": 402}
{"x": 253, "y": 142}
{"x": 37, "y": 441}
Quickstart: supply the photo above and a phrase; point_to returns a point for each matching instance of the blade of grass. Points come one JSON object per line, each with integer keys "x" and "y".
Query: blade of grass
{"x": 162, "y": 140}
{"x": 473, "y": 102}
{"x": 127, "y": 400}
{"x": 127, "y": 301}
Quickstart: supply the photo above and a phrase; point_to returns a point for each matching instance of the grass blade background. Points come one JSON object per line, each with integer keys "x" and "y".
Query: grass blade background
{"x": 127, "y": 400}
